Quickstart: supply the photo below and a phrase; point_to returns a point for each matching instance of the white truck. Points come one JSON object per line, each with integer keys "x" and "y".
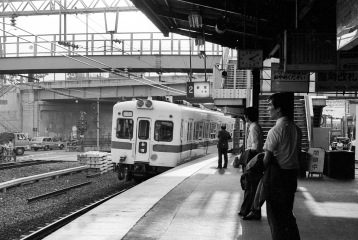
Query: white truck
{"x": 19, "y": 141}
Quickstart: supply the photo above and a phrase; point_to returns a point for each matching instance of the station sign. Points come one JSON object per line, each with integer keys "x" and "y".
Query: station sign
{"x": 336, "y": 81}
{"x": 198, "y": 89}
{"x": 288, "y": 81}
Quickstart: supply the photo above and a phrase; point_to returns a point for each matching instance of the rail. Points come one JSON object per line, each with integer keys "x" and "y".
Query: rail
{"x": 19, "y": 181}
{"x": 141, "y": 43}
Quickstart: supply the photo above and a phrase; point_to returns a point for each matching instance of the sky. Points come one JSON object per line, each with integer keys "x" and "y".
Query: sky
{"x": 127, "y": 22}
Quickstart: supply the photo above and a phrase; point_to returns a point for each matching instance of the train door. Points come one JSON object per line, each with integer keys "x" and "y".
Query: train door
{"x": 143, "y": 140}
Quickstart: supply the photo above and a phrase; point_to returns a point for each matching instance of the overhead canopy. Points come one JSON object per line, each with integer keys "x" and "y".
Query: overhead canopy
{"x": 242, "y": 24}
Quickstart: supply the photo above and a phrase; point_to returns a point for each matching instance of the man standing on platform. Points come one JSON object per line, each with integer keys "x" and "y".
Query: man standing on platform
{"x": 223, "y": 146}
{"x": 283, "y": 145}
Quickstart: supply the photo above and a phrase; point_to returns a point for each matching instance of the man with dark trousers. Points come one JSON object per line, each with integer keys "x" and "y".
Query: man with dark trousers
{"x": 223, "y": 146}
{"x": 282, "y": 147}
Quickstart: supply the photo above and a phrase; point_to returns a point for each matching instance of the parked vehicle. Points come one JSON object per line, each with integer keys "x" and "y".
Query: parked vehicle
{"x": 19, "y": 141}
{"x": 341, "y": 143}
{"x": 46, "y": 143}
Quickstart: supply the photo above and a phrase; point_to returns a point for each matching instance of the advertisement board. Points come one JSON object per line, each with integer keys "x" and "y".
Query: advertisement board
{"x": 336, "y": 81}
{"x": 288, "y": 81}
{"x": 347, "y": 24}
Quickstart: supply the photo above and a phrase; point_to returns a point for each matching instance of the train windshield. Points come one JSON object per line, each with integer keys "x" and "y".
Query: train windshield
{"x": 124, "y": 128}
{"x": 163, "y": 131}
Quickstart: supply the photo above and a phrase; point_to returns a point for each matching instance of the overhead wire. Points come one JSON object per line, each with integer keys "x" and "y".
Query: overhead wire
{"x": 108, "y": 39}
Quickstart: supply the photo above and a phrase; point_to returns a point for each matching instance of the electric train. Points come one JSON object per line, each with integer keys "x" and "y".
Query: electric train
{"x": 150, "y": 136}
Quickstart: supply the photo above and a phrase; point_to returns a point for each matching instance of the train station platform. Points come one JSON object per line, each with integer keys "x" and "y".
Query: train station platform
{"x": 198, "y": 201}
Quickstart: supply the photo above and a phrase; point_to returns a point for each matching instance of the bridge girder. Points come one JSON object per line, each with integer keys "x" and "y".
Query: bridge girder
{"x": 15, "y": 8}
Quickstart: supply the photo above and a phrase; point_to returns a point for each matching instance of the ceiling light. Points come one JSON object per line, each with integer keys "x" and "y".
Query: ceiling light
{"x": 195, "y": 20}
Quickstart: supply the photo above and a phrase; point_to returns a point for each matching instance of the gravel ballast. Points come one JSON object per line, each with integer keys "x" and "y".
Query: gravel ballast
{"x": 18, "y": 217}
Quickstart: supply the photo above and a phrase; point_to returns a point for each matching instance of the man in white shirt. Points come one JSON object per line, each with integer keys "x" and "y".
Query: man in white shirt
{"x": 283, "y": 144}
{"x": 254, "y": 143}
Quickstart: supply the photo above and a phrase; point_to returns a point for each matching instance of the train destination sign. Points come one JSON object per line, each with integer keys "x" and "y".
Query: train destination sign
{"x": 336, "y": 81}
{"x": 288, "y": 81}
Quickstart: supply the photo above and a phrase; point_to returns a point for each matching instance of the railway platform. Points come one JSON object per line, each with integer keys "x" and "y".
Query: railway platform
{"x": 198, "y": 201}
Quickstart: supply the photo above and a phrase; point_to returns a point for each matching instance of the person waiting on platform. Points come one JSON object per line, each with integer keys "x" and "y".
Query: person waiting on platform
{"x": 252, "y": 178}
{"x": 282, "y": 149}
{"x": 223, "y": 146}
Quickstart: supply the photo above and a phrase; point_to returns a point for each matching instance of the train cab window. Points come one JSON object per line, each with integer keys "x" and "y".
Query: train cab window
{"x": 143, "y": 129}
{"x": 124, "y": 128}
{"x": 163, "y": 131}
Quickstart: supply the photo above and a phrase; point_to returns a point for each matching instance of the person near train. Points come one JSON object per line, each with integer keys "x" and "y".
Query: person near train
{"x": 252, "y": 176}
{"x": 223, "y": 146}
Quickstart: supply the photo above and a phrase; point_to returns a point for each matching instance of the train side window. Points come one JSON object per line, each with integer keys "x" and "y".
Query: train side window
{"x": 190, "y": 131}
{"x": 213, "y": 130}
{"x": 124, "y": 128}
{"x": 163, "y": 131}
{"x": 143, "y": 129}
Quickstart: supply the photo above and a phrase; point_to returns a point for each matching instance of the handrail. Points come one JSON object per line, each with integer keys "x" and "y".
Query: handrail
{"x": 137, "y": 43}
{"x": 309, "y": 116}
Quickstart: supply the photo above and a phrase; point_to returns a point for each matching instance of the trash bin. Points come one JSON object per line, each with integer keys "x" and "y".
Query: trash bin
{"x": 340, "y": 164}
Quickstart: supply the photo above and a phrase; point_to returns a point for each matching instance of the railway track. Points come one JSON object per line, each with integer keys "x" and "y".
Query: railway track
{"x": 50, "y": 228}
{"x": 11, "y": 165}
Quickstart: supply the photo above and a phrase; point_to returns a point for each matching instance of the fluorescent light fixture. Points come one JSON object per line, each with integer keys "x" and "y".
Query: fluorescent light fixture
{"x": 195, "y": 20}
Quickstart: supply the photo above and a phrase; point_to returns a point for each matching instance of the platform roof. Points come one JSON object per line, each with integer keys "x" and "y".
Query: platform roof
{"x": 250, "y": 24}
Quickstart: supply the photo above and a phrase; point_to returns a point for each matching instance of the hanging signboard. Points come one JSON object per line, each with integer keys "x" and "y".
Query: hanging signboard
{"x": 198, "y": 89}
{"x": 288, "y": 81}
{"x": 336, "y": 81}
{"x": 315, "y": 161}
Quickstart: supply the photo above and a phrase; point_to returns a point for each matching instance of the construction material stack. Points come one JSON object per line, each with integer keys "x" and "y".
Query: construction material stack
{"x": 98, "y": 162}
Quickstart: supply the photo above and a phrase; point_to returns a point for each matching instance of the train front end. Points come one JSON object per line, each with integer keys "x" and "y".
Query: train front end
{"x": 142, "y": 135}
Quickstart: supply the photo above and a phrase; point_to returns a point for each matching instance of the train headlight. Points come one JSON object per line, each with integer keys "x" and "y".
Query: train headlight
{"x": 140, "y": 103}
{"x": 122, "y": 158}
{"x": 148, "y": 103}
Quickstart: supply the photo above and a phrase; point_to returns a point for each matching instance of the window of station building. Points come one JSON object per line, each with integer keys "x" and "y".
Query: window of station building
{"x": 124, "y": 128}
{"x": 163, "y": 131}
{"x": 143, "y": 129}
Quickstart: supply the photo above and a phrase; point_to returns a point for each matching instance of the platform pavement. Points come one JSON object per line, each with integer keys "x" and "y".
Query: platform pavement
{"x": 197, "y": 201}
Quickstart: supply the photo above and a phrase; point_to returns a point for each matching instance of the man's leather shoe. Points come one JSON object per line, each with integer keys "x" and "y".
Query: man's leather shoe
{"x": 219, "y": 168}
{"x": 251, "y": 216}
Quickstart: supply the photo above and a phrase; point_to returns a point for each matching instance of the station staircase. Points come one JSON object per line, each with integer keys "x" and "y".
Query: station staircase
{"x": 7, "y": 125}
{"x": 299, "y": 118}
{"x": 241, "y": 77}
{"x": 5, "y": 88}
